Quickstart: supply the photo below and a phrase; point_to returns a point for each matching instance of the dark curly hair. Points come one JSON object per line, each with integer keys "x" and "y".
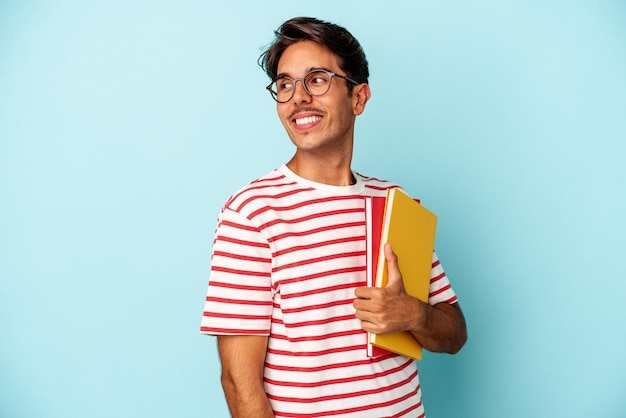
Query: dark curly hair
{"x": 337, "y": 39}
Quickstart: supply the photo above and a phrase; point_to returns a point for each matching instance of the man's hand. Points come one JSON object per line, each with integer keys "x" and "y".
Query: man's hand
{"x": 388, "y": 310}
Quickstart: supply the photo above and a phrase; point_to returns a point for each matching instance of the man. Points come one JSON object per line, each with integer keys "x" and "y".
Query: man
{"x": 287, "y": 297}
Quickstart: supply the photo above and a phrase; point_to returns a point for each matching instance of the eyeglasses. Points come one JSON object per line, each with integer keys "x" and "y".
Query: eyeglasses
{"x": 315, "y": 83}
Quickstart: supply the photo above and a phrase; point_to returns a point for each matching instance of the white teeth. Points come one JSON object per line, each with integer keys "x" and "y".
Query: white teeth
{"x": 309, "y": 119}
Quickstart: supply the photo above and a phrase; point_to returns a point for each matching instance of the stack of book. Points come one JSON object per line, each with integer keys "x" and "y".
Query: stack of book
{"x": 410, "y": 229}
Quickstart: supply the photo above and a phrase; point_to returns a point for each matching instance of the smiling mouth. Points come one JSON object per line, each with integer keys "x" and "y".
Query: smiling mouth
{"x": 307, "y": 120}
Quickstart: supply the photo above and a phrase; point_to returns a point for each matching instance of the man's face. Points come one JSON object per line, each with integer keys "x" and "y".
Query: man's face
{"x": 317, "y": 123}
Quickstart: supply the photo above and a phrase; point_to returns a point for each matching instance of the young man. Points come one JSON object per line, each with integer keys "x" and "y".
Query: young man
{"x": 287, "y": 297}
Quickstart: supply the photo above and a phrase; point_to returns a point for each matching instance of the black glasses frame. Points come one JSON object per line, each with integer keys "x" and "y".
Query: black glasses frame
{"x": 330, "y": 74}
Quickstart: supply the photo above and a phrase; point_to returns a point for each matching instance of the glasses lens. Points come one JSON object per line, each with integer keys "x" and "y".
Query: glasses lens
{"x": 282, "y": 89}
{"x": 317, "y": 82}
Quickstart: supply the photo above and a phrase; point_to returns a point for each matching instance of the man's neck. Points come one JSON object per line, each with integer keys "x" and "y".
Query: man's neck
{"x": 334, "y": 173}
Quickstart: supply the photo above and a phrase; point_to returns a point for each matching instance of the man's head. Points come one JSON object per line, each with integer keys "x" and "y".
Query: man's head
{"x": 337, "y": 39}
{"x": 318, "y": 113}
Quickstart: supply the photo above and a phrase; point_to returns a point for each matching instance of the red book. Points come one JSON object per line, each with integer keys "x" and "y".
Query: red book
{"x": 374, "y": 214}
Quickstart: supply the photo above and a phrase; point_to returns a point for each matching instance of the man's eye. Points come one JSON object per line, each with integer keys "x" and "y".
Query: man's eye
{"x": 284, "y": 84}
{"x": 317, "y": 81}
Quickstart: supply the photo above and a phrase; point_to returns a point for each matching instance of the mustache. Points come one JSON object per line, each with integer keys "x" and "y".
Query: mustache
{"x": 306, "y": 109}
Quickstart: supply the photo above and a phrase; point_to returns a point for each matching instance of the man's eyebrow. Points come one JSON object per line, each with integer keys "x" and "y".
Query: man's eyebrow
{"x": 319, "y": 69}
{"x": 281, "y": 75}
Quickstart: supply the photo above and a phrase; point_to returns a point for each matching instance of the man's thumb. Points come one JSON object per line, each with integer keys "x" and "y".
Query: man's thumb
{"x": 394, "y": 276}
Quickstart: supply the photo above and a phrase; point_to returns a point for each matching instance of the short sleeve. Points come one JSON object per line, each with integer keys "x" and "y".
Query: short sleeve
{"x": 239, "y": 296}
{"x": 440, "y": 288}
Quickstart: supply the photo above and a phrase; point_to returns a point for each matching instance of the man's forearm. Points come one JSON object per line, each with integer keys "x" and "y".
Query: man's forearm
{"x": 244, "y": 402}
{"x": 442, "y": 328}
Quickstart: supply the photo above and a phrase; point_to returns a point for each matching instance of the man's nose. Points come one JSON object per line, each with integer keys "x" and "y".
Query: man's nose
{"x": 300, "y": 94}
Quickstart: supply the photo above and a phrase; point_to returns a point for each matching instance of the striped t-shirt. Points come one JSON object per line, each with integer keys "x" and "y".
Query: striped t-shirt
{"x": 287, "y": 256}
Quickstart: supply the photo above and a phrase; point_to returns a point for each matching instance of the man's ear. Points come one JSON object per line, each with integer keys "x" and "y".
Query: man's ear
{"x": 360, "y": 95}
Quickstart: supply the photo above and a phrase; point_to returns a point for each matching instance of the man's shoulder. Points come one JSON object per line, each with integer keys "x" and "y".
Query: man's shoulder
{"x": 270, "y": 184}
{"x": 374, "y": 186}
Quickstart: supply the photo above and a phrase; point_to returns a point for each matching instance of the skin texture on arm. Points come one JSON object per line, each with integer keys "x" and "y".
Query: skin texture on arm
{"x": 388, "y": 310}
{"x": 243, "y": 357}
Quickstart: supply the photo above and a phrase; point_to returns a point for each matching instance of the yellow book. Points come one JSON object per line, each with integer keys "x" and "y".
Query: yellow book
{"x": 410, "y": 229}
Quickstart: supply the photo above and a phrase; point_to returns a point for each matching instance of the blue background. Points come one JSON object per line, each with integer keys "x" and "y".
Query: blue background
{"x": 124, "y": 126}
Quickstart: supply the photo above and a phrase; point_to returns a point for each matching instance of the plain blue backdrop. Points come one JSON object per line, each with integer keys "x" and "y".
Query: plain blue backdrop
{"x": 124, "y": 126}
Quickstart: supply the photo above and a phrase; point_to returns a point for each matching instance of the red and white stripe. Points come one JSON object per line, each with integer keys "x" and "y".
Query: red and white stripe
{"x": 287, "y": 256}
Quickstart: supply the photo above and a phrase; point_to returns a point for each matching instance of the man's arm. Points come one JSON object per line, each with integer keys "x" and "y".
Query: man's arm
{"x": 243, "y": 357}
{"x": 388, "y": 310}
{"x": 442, "y": 329}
